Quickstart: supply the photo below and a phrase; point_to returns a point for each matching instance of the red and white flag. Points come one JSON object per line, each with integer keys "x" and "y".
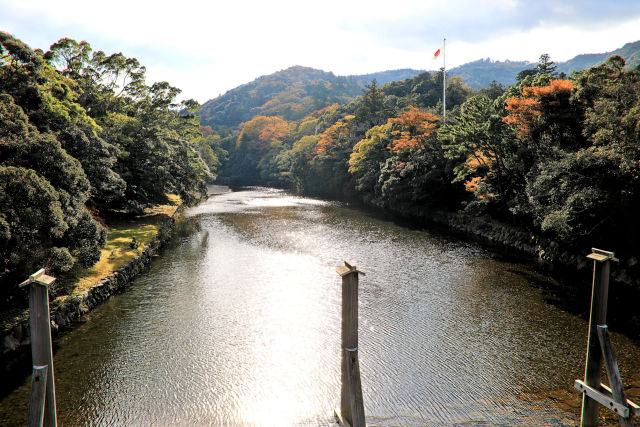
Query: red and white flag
{"x": 438, "y": 52}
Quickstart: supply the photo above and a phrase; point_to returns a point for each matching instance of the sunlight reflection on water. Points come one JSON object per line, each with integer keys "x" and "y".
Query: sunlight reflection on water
{"x": 239, "y": 324}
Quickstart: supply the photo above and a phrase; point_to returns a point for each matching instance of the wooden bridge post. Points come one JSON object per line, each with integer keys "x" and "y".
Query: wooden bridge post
{"x": 597, "y": 316}
{"x": 351, "y": 412}
{"x": 599, "y": 350}
{"x": 37, "y": 396}
{"x": 41, "y": 351}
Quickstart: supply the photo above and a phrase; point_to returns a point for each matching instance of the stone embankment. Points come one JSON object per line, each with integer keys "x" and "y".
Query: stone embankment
{"x": 73, "y": 307}
{"x": 516, "y": 240}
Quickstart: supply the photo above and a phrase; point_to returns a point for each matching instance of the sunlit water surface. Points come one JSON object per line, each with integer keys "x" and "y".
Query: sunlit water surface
{"x": 238, "y": 323}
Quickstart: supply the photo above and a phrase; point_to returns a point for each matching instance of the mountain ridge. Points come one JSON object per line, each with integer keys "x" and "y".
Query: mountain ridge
{"x": 298, "y": 90}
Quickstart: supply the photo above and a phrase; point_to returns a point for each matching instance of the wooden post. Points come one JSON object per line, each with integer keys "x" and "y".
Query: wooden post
{"x": 599, "y": 349}
{"x": 41, "y": 352}
{"x": 350, "y": 387}
{"x": 37, "y": 397}
{"x": 355, "y": 387}
{"x": 611, "y": 364}
{"x": 597, "y": 316}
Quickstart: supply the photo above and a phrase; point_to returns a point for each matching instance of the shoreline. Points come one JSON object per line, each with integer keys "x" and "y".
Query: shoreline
{"x": 66, "y": 309}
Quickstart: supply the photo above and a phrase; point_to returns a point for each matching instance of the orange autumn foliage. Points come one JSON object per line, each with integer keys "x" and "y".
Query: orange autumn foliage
{"x": 535, "y": 99}
{"x": 473, "y": 162}
{"x": 415, "y": 127}
{"x": 206, "y": 131}
{"x": 335, "y": 136}
{"x": 274, "y": 131}
{"x": 472, "y": 184}
{"x": 262, "y": 131}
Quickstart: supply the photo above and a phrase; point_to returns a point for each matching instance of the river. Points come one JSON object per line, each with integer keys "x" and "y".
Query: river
{"x": 238, "y": 323}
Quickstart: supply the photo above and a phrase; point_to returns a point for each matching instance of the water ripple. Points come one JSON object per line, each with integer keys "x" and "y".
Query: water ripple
{"x": 239, "y": 324}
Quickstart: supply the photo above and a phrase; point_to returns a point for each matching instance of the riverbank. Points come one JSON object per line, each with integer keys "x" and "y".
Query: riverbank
{"x": 567, "y": 263}
{"x": 131, "y": 244}
{"x": 575, "y": 270}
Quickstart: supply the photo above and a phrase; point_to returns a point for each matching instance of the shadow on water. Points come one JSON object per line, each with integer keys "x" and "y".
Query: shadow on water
{"x": 238, "y": 324}
{"x": 569, "y": 290}
{"x": 16, "y": 366}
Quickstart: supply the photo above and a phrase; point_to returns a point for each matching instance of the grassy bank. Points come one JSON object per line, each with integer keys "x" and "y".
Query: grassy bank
{"x": 117, "y": 252}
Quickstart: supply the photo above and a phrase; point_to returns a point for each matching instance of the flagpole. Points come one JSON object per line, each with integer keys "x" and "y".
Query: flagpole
{"x": 444, "y": 80}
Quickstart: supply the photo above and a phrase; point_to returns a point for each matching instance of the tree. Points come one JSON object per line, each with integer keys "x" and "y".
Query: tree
{"x": 546, "y": 66}
{"x": 483, "y": 149}
{"x": 589, "y": 194}
{"x": 29, "y": 225}
{"x": 413, "y": 129}
{"x": 529, "y": 72}
{"x": 371, "y": 109}
{"x": 41, "y": 161}
{"x": 493, "y": 91}
{"x": 368, "y": 157}
{"x": 543, "y": 112}
{"x": 98, "y": 159}
{"x": 258, "y": 137}
{"x": 300, "y": 155}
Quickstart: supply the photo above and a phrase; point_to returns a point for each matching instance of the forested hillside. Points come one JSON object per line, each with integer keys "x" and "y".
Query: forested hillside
{"x": 83, "y": 137}
{"x": 383, "y": 77}
{"x": 292, "y": 94}
{"x": 630, "y": 52}
{"x": 297, "y": 91}
{"x": 554, "y": 155}
{"x": 481, "y": 73}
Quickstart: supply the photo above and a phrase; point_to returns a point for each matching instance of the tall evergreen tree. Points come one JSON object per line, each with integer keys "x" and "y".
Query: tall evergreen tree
{"x": 546, "y": 66}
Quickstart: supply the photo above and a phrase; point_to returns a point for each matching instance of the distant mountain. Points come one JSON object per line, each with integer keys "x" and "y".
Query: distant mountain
{"x": 297, "y": 91}
{"x": 385, "y": 76}
{"x": 292, "y": 94}
{"x": 630, "y": 52}
{"x": 479, "y": 74}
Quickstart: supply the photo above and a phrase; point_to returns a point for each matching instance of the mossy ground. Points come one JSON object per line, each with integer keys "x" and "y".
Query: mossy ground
{"x": 116, "y": 253}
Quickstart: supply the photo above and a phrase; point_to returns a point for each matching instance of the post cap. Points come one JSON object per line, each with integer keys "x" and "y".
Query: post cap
{"x": 40, "y": 278}
{"x": 601, "y": 256}
{"x": 348, "y": 268}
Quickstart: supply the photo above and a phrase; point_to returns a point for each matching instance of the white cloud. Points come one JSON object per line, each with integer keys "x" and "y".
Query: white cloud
{"x": 206, "y": 48}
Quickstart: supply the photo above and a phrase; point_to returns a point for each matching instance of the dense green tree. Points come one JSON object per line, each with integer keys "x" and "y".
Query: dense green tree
{"x": 546, "y": 66}
{"x": 79, "y": 130}
{"x": 300, "y": 176}
{"x": 371, "y": 110}
{"x": 368, "y": 157}
{"x": 493, "y": 91}
{"x": 149, "y": 139}
{"x": 574, "y": 194}
{"x": 418, "y": 179}
{"x": 483, "y": 148}
{"x": 528, "y": 72}
{"x": 29, "y": 225}
{"x": 98, "y": 160}
{"x": 589, "y": 193}
{"x": 40, "y": 159}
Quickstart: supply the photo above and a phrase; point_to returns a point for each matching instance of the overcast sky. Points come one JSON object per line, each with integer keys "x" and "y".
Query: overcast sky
{"x": 207, "y": 48}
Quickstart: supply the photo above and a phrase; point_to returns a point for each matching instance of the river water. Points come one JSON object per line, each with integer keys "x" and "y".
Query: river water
{"x": 238, "y": 323}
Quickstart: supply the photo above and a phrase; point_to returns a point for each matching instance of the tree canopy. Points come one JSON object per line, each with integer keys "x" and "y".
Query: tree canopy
{"x": 83, "y": 136}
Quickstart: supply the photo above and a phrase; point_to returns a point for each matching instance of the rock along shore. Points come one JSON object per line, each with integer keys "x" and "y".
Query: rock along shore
{"x": 17, "y": 338}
